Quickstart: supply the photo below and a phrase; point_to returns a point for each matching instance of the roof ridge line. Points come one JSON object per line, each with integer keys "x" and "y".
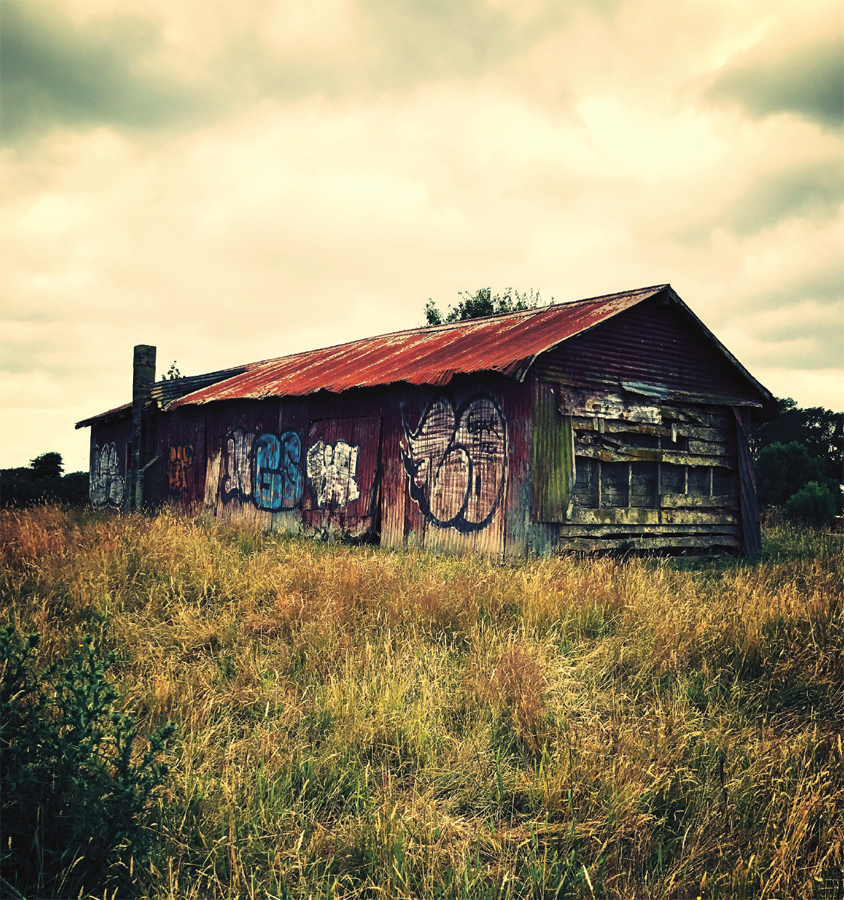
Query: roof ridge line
{"x": 463, "y": 323}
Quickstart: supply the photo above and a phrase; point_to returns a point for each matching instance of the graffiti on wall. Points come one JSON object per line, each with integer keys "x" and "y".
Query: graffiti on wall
{"x": 278, "y": 476}
{"x": 179, "y": 459}
{"x": 105, "y": 483}
{"x": 264, "y": 469}
{"x": 332, "y": 469}
{"x": 456, "y": 462}
{"x": 237, "y": 477}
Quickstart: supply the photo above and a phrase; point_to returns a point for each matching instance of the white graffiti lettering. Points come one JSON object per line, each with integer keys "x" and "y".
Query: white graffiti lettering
{"x": 105, "y": 483}
{"x": 331, "y": 471}
{"x": 237, "y": 480}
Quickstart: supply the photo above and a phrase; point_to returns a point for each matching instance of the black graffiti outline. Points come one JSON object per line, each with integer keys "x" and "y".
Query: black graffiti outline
{"x": 227, "y": 474}
{"x": 420, "y": 494}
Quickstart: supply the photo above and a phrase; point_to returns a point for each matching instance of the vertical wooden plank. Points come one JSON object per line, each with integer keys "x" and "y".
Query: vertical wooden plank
{"x": 393, "y": 485}
{"x": 552, "y": 457}
{"x": 748, "y": 502}
{"x": 518, "y": 506}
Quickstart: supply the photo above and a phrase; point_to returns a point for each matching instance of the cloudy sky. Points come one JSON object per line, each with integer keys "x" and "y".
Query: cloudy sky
{"x": 239, "y": 180}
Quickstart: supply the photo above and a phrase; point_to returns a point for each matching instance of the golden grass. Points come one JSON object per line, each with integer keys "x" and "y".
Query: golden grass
{"x": 360, "y": 722}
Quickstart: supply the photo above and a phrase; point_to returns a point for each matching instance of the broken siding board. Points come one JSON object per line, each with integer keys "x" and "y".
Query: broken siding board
{"x": 749, "y": 503}
{"x": 641, "y": 441}
{"x": 679, "y": 501}
{"x": 647, "y": 531}
{"x": 598, "y": 384}
{"x": 698, "y": 517}
{"x": 640, "y": 516}
{"x": 617, "y": 516}
{"x": 552, "y": 458}
{"x": 612, "y": 426}
{"x": 713, "y": 418}
{"x": 669, "y": 542}
{"x": 631, "y": 454}
{"x": 607, "y": 405}
{"x": 712, "y": 448}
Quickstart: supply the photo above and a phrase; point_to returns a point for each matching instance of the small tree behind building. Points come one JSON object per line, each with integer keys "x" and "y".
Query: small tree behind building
{"x": 482, "y": 303}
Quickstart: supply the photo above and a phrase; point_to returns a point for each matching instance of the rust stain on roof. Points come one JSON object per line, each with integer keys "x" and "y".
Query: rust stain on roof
{"x": 433, "y": 355}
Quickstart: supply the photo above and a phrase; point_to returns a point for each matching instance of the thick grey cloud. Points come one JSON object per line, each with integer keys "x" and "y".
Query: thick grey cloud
{"x": 806, "y": 78}
{"x": 235, "y": 181}
{"x": 117, "y": 68}
{"x": 803, "y": 344}
{"x": 56, "y": 72}
{"x": 812, "y": 190}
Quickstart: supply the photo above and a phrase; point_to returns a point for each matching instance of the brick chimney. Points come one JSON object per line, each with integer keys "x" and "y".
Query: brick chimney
{"x": 143, "y": 435}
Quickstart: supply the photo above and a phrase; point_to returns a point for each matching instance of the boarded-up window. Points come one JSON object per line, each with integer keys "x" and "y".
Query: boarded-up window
{"x": 672, "y": 478}
{"x": 615, "y": 477}
{"x": 646, "y": 464}
{"x": 643, "y": 478}
{"x": 699, "y": 480}
{"x": 724, "y": 482}
{"x": 586, "y": 483}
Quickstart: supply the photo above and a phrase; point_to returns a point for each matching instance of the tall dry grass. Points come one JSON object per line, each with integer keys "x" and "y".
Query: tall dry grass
{"x": 360, "y": 722}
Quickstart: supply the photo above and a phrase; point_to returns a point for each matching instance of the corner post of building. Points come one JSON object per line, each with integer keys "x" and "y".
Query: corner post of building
{"x": 143, "y": 376}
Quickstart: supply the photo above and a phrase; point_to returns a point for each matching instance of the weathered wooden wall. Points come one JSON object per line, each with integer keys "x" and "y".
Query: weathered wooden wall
{"x": 629, "y": 436}
{"x": 657, "y": 443}
{"x": 110, "y": 460}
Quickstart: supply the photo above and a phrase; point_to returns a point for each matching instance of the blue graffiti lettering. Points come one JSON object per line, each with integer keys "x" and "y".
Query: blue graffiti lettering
{"x": 279, "y": 481}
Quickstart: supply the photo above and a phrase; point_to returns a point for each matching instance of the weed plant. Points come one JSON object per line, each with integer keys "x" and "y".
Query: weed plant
{"x": 73, "y": 795}
{"x": 360, "y": 722}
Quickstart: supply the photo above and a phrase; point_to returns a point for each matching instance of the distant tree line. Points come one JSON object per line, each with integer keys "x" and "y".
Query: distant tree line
{"x": 799, "y": 461}
{"x": 42, "y": 481}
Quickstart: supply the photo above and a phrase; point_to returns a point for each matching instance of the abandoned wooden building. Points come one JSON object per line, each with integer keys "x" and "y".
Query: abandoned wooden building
{"x": 618, "y": 422}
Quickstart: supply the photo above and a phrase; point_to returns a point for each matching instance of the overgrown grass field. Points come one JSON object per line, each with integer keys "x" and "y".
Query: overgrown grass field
{"x": 359, "y": 722}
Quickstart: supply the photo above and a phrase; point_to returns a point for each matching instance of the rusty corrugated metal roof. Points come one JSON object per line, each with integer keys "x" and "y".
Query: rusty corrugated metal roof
{"x": 170, "y": 389}
{"x": 115, "y": 413}
{"x": 505, "y": 343}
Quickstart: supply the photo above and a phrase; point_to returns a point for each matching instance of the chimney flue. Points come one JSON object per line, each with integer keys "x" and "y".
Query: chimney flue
{"x": 143, "y": 375}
